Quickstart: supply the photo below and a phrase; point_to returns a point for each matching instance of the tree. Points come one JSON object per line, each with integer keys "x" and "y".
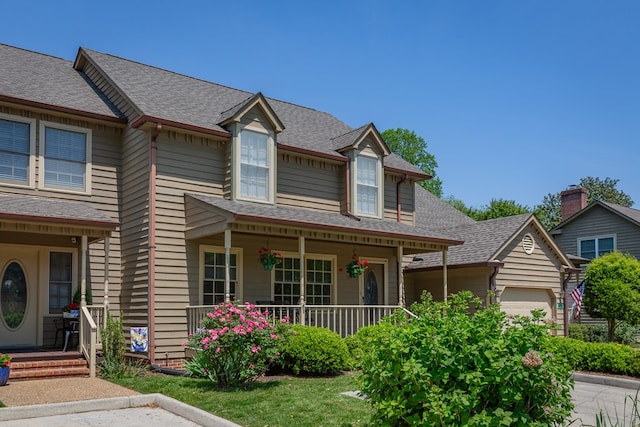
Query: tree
{"x": 497, "y": 208}
{"x": 612, "y": 290}
{"x": 413, "y": 149}
{"x": 597, "y": 189}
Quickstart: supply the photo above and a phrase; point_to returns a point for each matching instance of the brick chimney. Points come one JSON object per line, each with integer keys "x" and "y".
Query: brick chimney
{"x": 572, "y": 201}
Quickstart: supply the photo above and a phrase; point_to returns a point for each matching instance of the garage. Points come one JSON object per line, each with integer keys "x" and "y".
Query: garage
{"x": 520, "y": 301}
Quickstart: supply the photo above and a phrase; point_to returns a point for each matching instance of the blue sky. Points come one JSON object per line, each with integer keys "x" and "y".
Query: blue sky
{"x": 516, "y": 99}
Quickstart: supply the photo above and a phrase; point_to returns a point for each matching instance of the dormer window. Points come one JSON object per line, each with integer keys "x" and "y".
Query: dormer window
{"x": 368, "y": 192}
{"x": 255, "y": 175}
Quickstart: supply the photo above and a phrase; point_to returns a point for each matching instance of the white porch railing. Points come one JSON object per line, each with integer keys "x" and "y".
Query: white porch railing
{"x": 342, "y": 319}
{"x": 92, "y": 321}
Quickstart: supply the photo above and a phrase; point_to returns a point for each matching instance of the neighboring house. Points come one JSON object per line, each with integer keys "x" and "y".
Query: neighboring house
{"x": 514, "y": 258}
{"x": 156, "y": 191}
{"x": 589, "y": 231}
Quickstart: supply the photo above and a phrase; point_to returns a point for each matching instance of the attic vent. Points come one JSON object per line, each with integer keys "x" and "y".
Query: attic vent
{"x": 527, "y": 244}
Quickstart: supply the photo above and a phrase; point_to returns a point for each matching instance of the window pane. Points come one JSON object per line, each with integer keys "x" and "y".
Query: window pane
{"x": 60, "y": 280}
{"x": 214, "y": 277}
{"x": 254, "y": 165}
{"x": 588, "y": 249}
{"x": 14, "y": 151}
{"x": 605, "y": 246}
{"x": 65, "y": 158}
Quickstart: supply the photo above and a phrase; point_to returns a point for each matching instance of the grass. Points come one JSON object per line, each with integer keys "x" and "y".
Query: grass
{"x": 277, "y": 402}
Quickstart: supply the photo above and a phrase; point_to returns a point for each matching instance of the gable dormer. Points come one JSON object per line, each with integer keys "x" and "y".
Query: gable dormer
{"x": 254, "y": 126}
{"x": 366, "y": 150}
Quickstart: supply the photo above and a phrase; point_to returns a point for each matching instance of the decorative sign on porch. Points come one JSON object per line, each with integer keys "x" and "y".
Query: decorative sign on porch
{"x": 139, "y": 339}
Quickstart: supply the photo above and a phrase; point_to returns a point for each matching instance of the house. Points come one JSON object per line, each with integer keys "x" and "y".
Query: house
{"x": 512, "y": 261}
{"x": 157, "y": 191}
{"x": 589, "y": 231}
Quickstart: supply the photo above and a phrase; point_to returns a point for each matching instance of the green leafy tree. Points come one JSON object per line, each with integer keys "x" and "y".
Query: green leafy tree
{"x": 612, "y": 290}
{"x": 413, "y": 149}
{"x": 497, "y": 208}
{"x": 548, "y": 211}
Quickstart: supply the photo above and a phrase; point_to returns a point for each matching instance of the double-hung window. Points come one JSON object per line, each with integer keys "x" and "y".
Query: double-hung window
{"x": 255, "y": 166}
{"x": 16, "y": 149}
{"x": 319, "y": 280}
{"x": 66, "y": 153}
{"x": 60, "y": 280}
{"x": 595, "y": 247}
{"x": 367, "y": 186}
{"x": 212, "y": 270}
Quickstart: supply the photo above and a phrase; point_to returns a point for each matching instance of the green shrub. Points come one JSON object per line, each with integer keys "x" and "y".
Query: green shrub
{"x": 114, "y": 346}
{"x": 448, "y": 367}
{"x": 364, "y": 341}
{"x": 608, "y": 358}
{"x": 624, "y": 333}
{"x": 314, "y": 351}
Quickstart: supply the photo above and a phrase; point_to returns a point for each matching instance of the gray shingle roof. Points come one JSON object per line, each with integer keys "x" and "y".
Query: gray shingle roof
{"x": 53, "y": 210}
{"x": 40, "y": 78}
{"x": 182, "y": 99}
{"x": 433, "y": 213}
{"x": 631, "y": 213}
{"x": 316, "y": 219}
{"x": 482, "y": 240}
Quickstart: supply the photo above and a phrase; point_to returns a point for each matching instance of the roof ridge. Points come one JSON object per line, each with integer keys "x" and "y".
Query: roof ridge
{"x": 37, "y": 53}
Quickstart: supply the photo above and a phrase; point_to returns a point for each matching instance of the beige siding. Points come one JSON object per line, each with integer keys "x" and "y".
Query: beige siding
{"x": 391, "y": 201}
{"x": 539, "y": 270}
{"x": 475, "y": 280}
{"x": 310, "y": 183}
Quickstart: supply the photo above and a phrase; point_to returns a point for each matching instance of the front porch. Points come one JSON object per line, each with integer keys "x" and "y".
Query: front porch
{"x": 345, "y": 320}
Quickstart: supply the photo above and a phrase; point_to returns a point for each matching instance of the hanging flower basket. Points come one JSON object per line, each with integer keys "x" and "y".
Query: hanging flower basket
{"x": 268, "y": 258}
{"x": 356, "y": 267}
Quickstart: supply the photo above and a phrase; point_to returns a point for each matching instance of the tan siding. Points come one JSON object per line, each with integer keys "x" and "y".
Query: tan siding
{"x": 304, "y": 182}
{"x": 391, "y": 201}
{"x": 475, "y": 280}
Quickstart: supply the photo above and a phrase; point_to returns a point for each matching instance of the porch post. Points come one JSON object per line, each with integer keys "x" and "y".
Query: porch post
{"x": 83, "y": 271}
{"x": 106, "y": 272}
{"x": 301, "y": 244}
{"x": 400, "y": 256}
{"x": 227, "y": 261}
{"x": 445, "y": 283}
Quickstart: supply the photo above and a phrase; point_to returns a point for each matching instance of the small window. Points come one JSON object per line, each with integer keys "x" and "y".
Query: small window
{"x": 66, "y": 158}
{"x": 255, "y": 174}
{"x": 16, "y": 150}
{"x": 368, "y": 186}
{"x": 60, "y": 280}
{"x": 596, "y": 247}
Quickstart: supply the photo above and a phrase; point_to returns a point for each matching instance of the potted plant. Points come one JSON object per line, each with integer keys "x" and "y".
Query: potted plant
{"x": 5, "y": 368}
{"x": 268, "y": 258}
{"x": 356, "y": 267}
{"x": 71, "y": 311}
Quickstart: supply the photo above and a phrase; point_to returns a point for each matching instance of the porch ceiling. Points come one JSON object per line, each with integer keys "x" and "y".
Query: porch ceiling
{"x": 208, "y": 215}
{"x": 29, "y": 214}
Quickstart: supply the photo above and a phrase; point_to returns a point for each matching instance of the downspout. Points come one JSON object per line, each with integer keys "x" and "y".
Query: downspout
{"x": 152, "y": 244}
{"x": 398, "y": 203}
{"x": 496, "y": 264}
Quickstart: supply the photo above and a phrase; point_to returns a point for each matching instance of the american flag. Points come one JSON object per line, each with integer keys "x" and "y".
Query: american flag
{"x": 576, "y": 295}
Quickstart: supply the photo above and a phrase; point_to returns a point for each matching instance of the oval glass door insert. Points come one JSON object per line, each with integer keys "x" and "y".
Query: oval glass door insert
{"x": 13, "y": 296}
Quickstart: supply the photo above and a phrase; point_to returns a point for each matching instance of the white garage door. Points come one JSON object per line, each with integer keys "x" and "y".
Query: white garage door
{"x": 522, "y": 300}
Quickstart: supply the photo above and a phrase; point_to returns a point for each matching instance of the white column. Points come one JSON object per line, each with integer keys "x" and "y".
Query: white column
{"x": 227, "y": 261}
{"x": 83, "y": 272}
{"x": 401, "y": 290}
{"x": 301, "y": 248}
{"x": 445, "y": 283}
{"x": 106, "y": 272}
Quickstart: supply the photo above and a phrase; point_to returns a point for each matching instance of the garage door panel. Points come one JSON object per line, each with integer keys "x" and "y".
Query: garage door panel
{"x": 520, "y": 301}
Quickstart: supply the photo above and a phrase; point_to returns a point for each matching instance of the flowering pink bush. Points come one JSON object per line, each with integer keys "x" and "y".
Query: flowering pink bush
{"x": 234, "y": 345}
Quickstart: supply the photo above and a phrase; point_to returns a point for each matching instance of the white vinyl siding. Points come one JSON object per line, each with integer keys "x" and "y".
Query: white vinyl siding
{"x": 254, "y": 166}
{"x": 595, "y": 247}
{"x": 66, "y": 153}
{"x": 368, "y": 186}
{"x": 16, "y": 151}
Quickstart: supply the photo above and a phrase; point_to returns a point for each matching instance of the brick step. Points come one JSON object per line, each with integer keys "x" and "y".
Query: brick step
{"x": 40, "y": 369}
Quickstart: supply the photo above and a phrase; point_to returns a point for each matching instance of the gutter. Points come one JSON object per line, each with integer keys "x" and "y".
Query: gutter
{"x": 152, "y": 242}
{"x": 496, "y": 264}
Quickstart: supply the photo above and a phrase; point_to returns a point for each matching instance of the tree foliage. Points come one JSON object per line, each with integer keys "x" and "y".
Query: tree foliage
{"x": 612, "y": 290}
{"x": 413, "y": 149}
{"x": 548, "y": 211}
{"x": 497, "y": 208}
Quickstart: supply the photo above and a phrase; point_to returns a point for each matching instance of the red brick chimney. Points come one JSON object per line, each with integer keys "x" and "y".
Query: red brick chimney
{"x": 572, "y": 201}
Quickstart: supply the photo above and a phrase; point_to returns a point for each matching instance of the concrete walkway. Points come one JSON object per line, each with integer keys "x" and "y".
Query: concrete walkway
{"x": 84, "y": 402}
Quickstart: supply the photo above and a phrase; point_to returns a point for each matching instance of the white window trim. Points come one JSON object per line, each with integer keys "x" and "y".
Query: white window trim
{"x": 220, "y": 249}
{"x": 596, "y": 238}
{"x": 271, "y": 155}
{"x": 323, "y": 257}
{"x": 88, "y": 165}
{"x": 354, "y": 185}
{"x": 31, "y": 179}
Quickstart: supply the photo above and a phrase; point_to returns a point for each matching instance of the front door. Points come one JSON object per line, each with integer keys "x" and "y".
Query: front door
{"x": 18, "y": 297}
{"x": 374, "y": 284}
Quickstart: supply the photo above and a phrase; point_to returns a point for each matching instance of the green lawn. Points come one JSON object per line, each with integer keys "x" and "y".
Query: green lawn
{"x": 278, "y": 402}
